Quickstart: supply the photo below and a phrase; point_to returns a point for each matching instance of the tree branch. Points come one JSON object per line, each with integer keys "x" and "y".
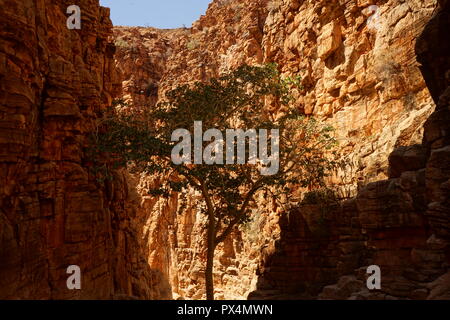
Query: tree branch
{"x": 241, "y": 213}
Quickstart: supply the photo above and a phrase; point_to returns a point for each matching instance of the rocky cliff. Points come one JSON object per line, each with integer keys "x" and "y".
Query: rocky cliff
{"x": 399, "y": 224}
{"x": 54, "y": 84}
{"x": 377, "y": 70}
{"x": 360, "y": 73}
{"x": 226, "y": 37}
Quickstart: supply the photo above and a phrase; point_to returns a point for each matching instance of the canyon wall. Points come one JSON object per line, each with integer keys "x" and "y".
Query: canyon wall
{"x": 359, "y": 73}
{"x": 399, "y": 224}
{"x": 359, "y": 69}
{"x": 55, "y": 84}
{"x": 226, "y": 37}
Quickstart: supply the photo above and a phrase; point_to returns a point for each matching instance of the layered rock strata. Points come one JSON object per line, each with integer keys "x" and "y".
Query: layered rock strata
{"x": 359, "y": 73}
{"x": 55, "y": 83}
{"x": 359, "y": 69}
{"x": 400, "y": 224}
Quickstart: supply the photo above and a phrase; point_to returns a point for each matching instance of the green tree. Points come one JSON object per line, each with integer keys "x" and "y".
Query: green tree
{"x": 238, "y": 99}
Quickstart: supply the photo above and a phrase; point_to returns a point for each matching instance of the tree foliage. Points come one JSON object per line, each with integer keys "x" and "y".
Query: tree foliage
{"x": 250, "y": 97}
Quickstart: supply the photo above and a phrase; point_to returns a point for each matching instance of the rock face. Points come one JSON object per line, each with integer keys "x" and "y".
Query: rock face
{"x": 360, "y": 74}
{"x": 359, "y": 70}
{"x": 400, "y": 224}
{"x": 142, "y": 59}
{"x": 227, "y": 36}
{"x": 55, "y": 83}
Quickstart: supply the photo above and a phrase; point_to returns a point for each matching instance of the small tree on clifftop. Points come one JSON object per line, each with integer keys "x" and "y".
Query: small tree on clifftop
{"x": 236, "y": 100}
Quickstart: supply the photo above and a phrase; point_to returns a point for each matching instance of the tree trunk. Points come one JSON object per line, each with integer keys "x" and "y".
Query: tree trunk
{"x": 209, "y": 278}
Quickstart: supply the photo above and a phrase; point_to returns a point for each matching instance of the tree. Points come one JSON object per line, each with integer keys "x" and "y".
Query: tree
{"x": 235, "y": 100}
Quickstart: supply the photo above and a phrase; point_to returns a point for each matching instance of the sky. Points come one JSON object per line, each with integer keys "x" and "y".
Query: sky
{"x": 164, "y": 14}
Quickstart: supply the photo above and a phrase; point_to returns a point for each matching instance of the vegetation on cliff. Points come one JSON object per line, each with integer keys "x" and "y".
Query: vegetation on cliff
{"x": 235, "y": 99}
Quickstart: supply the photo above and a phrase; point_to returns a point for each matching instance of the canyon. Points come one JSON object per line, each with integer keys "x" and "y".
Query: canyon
{"x": 376, "y": 70}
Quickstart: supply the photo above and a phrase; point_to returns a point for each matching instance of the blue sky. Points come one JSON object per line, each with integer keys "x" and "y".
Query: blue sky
{"x": 163, "y": 14}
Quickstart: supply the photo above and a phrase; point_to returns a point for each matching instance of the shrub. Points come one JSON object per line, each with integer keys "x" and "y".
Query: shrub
{"x": 120, "y": 43}
{"x": 192, "y": 44}
{"x": 323, "y": 196}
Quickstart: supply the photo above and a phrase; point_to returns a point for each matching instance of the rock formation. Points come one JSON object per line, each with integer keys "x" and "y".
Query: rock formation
{"x": 376, "y": 70}
{"x": 400, "y": 224}
{"x": 357, "y": 60}
{"x": 55, "y": 83}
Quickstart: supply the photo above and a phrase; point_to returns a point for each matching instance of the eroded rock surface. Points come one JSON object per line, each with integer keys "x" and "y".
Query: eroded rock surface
{"x": 358, "y": 60}
{"x": 55, "y": 83}
{"x": 359, "y": 70}
{"x": 400, "y": 224}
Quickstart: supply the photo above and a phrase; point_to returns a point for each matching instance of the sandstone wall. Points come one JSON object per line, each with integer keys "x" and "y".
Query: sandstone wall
{"x": 359, "y": 73}
{"x": 54, "y": 84}
{"x": 227, "y": 36}
{"x": 400, "y": 224}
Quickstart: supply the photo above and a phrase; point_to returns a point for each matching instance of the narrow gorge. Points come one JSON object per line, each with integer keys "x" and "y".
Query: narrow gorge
{"x": 378, "y": 71}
